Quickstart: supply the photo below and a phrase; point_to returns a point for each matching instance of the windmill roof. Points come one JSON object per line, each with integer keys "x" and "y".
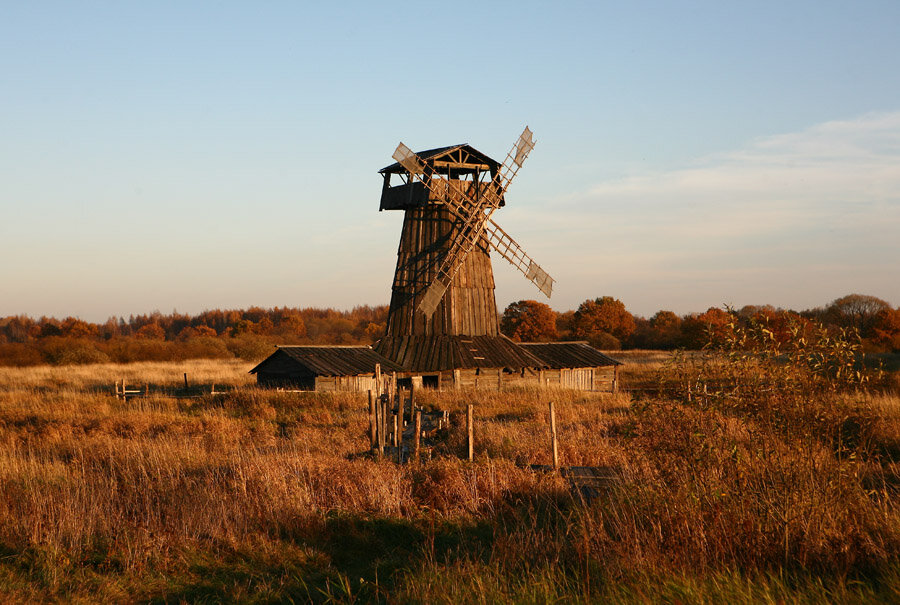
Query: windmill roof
{"x": 439, "y": 353}
{"x": 466, "y": 156}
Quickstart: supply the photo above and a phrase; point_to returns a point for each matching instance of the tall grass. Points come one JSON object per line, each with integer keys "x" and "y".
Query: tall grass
{"x": 261, "y": 496}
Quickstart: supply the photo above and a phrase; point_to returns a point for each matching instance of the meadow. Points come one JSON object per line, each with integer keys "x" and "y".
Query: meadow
{"x": 735, "y": 482}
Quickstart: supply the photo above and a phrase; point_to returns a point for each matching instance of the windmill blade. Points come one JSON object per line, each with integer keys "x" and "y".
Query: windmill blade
{"x": 512, "y": 252}
{"x": 510, "y": 249}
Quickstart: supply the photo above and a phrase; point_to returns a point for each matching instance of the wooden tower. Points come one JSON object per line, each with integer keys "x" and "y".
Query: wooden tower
{"x": 443, "y": 289}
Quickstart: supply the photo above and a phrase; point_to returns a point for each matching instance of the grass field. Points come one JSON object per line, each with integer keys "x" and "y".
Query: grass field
{"x": 257, "y": 496}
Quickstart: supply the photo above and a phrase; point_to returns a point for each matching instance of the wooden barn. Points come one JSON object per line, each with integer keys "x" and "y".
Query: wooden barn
{"x": 322, "y": 368}
{"x": 444, "y": 363}
{"x": 575, "y": 365}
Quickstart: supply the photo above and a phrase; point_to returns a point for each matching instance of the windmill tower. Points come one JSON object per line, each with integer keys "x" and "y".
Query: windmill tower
{"x": 443, "y": 312}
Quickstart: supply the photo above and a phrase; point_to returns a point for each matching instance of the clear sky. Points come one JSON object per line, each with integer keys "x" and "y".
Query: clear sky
{"x": 195, "y": 155}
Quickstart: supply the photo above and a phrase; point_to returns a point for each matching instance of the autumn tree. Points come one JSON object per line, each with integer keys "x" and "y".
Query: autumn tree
{"x": 665, "y": 330}
{"x": 596, "y": 320}
{"x": 886, "y": 329}
{"x": 529, "y": 321}
{"x": 856, "y": 311}
{"x": 151, "y": 331}
{"x": 700, "y": 329}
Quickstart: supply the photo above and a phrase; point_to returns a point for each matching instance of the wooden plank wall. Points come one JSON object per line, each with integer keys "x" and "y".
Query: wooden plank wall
{"x": 360, "y": 383}
{"x": 469, "y": 307}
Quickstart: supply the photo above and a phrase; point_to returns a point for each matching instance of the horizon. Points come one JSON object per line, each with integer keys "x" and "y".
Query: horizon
{"x": 223, "y": 156}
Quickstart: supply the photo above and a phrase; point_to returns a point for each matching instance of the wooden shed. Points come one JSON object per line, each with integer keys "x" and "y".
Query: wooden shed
{"x": 575, "y": 365}
{"x": 322, "y": 368}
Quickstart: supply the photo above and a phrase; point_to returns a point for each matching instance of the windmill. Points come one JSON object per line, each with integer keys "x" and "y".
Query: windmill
{"x": 443, "y": 285}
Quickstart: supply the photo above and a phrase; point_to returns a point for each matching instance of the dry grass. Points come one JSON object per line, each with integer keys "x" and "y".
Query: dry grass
{"x": 261, "y": 496}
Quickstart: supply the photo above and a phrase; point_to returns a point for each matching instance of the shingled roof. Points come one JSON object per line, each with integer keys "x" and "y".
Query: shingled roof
{"x": 440, "y": 353}
{"x": 578, "y": 354}
{"x": 330, "y": 360}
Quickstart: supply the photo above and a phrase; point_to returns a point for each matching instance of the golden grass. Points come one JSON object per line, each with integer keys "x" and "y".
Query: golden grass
{"x": 260, "y": 496}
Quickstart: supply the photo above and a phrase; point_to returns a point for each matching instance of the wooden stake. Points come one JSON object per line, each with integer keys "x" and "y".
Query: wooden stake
{"x": 399, "y": 427}
{"x": 470, "y": 430}
{"x": 412, "y": 399}
{"x": 185, "y": 380}
{"x": 418, "y": 435}
{"x": 373, "y": 427}
{"x": 553, "y": 437}
{"x": 394, "y": 435}
{"x": 382, "y": 426}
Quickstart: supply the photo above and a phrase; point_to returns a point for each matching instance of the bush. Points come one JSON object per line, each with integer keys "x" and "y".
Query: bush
{"x": 64, "y": 351}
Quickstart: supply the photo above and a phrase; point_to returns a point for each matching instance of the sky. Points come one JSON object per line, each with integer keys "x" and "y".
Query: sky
{"x": 197, "y": 155}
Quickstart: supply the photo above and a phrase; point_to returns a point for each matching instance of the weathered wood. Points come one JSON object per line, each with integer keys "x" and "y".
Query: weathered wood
{"x": 553, "y": 442}
{"x": 470, "y": 430}
{"x": 373, "y": 426}
{"x": 417, "y": 436}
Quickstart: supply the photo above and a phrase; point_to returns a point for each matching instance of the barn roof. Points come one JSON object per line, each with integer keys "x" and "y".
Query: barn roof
{"x": 440, "y": 353}
{"x": 577, "y": 354}
{"x": 333, "y": 360}
{"x": 462, "y": 157}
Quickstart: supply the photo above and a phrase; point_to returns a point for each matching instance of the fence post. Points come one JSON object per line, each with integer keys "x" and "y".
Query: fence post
{"x": 418, "y": 435}
{"x": 373, "y": 432}
{"x": 412, "y": 399}
{"x": 553, "y": 437}
{"x": 470, "y": 430}
{"x": 400, "y": 428}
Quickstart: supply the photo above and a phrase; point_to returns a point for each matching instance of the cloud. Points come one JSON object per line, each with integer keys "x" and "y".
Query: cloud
{"x": 787, "y": 219}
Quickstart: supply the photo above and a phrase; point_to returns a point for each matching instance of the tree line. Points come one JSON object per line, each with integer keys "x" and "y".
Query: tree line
{"x": 606, "y": 324}
{"x": 252, "y": 333}
{"x": 217, "y": 334}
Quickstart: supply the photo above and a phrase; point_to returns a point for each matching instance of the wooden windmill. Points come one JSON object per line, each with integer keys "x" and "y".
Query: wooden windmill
{"x": 443, "y": 291}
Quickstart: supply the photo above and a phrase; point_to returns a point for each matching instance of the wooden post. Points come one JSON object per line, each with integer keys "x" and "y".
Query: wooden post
{"x": 470, "y": 430}
{"x": 123, "y": 391}
{"x": 185, "y": 380}
{"x": 373, "y": 431}
{"x": 412, "y": 400}
{"x": 377, "y": 379}
{"x": 146, "y": 389}
{"x": 553, "y": 437}
{"x": 418, "y": 435}
{"x": 394, "y": 435}
{"x": 382, "y": 425}
{"x": 400, "y": 423}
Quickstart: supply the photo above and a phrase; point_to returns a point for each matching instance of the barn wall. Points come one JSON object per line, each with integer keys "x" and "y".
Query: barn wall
{"x": 285, "y": 381}
{"x": 360, "y": 383}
